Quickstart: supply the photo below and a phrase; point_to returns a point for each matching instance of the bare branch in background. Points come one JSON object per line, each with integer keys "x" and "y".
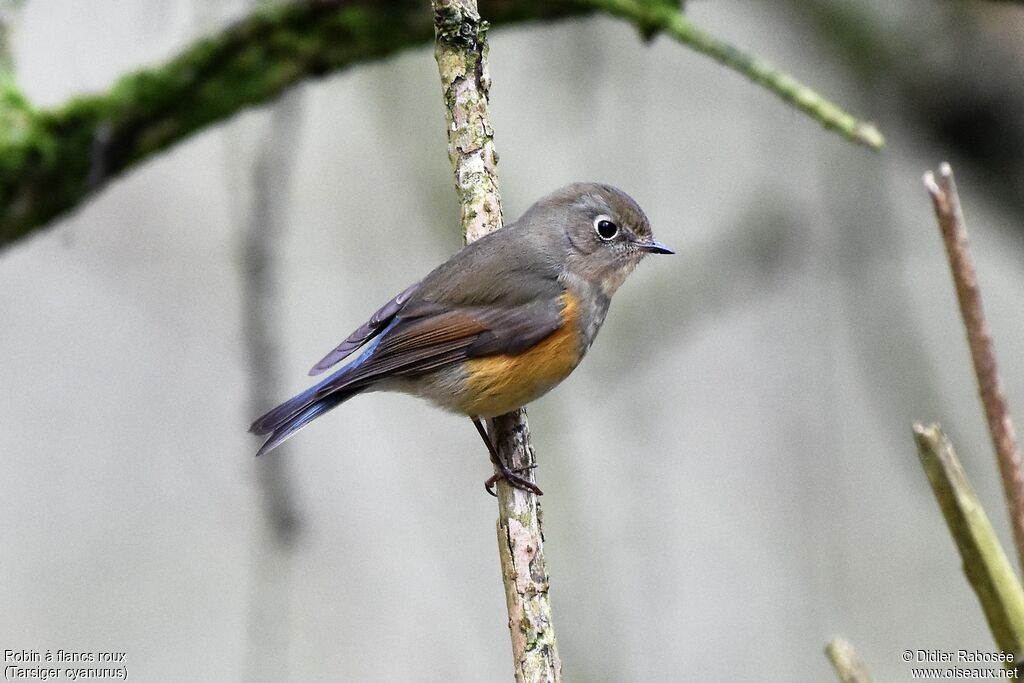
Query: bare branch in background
{"x": 265, "y": 221}
{"x": 271, "y": 179}
{"x": 461, "y": 52}
{"x": 985, "y": 564}
{"x": 968, "y": 294}
{"x": 849, "y": 667}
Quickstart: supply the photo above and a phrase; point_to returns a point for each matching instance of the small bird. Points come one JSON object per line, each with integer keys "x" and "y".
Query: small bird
{"x": 497, "y": 325}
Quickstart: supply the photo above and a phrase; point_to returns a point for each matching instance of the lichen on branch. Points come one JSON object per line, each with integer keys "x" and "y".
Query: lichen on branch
{"x": 461, "y": 52}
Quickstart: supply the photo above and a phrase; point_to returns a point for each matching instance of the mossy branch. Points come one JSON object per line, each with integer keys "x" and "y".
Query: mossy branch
{"x": 53, "y": 160}
{"x": 461, "y": 50}
{"x": 985, "y": 564}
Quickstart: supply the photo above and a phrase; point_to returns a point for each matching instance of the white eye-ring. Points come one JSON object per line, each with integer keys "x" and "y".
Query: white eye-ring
{"x": 606, "y": 228}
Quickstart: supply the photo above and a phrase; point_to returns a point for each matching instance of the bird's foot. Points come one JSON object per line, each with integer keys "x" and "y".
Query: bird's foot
{"x": 514, "y": 479}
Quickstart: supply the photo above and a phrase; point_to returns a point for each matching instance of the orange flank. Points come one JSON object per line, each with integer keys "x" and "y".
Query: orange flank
{"x": 499, "y": 384}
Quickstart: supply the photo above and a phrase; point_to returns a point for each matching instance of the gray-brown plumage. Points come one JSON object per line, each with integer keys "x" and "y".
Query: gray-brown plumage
{"x": 498, "y": 324}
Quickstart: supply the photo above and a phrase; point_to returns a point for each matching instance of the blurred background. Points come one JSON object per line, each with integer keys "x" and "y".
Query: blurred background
{"x": 730, "y": 475}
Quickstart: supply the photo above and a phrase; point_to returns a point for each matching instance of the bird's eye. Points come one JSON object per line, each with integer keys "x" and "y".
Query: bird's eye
{"x": 606, "y": 229}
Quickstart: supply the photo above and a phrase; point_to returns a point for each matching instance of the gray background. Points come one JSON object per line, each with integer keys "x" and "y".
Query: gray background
{"x": 730, "y": 475}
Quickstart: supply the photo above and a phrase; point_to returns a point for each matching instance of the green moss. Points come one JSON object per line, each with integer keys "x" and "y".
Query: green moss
{"x": 52, "y": 160}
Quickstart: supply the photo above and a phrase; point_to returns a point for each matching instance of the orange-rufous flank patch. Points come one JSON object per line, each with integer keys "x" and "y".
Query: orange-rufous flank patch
{"x": 499, "y": 384}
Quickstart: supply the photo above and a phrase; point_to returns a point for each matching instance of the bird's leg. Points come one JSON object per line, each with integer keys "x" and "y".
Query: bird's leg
{"x": 504, "y": 471}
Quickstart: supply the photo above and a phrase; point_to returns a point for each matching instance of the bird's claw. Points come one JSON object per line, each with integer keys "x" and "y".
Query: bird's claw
{"x": 511, "y": 476}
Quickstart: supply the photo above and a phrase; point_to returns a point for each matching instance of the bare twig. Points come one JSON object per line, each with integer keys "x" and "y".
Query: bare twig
{"x": 461, "y": 51}
{"x": 1000, "y": 424}
{"x": 850, "y": 668}
{"x": 985, "y": 563}
{"x": 655, "y": 16}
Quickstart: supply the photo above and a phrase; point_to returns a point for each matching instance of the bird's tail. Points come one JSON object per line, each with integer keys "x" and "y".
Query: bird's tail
{"x": 299, "y": 411}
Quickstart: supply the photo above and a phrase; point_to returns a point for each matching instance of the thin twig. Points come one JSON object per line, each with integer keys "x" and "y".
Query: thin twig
{"x": 985, "y": 564}
{"x": 461, "y": 51}
{"x": 850, "y": 668}
{"x": 1000, "y": 425}
{"x": 653, "y": 16}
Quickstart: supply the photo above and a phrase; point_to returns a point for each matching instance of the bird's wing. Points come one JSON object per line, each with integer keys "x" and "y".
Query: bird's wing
{"x": 429, "y": 336}
{"x": 423, "y": 337}
{"x": 516, "y": 272}
{"x": 367, "y": 331}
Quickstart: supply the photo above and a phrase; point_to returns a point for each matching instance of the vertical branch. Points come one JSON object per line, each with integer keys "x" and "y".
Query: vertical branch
{"x": 1000, "y": 424}
{"x": 260, "y": 243}
{"x": 461, "y": 52}
{"x": 523, "y": 569}
{"x": 259, "y": 204}
{"x": 270, "y": 594}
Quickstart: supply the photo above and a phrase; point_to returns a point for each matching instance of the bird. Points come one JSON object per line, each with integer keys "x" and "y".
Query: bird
{"x": 497, "y": 325}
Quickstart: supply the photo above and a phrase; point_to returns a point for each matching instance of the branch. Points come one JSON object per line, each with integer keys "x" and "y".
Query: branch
{"x": 651, "y": 17}
{"x": 1000, "y": 425}
{"x": 263, "y": 224}
{"x": 985, "y": 563}
{"x": 850, "y": 668}
{"x": 262, "y": 221}
{"x": 523, "y": 568}
{"x": 53, "y": 160}
{"x": 462, "y": 61}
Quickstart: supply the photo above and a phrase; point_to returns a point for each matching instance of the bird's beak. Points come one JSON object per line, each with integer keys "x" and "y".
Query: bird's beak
{"x": 655, "y": 247}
